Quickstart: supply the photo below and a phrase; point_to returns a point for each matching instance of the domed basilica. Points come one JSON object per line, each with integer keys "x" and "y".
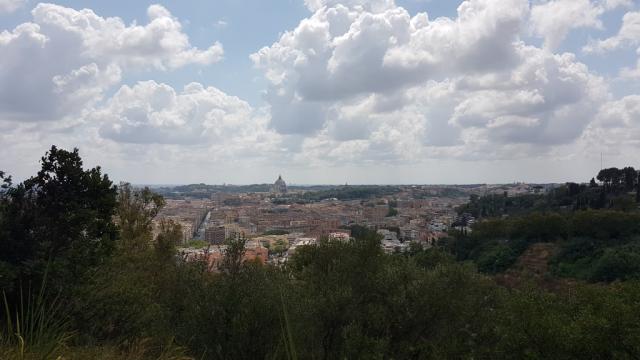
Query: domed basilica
{"x": 279, "y": 187}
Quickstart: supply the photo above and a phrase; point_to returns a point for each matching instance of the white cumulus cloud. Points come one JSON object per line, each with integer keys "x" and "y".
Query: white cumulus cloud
{"x": 384, "y": 85}
{"x": 154, "y": 113}
{"x": 64, "y": 59}
{"x": 554, "y": 19}
{"x": 628, "y": 35}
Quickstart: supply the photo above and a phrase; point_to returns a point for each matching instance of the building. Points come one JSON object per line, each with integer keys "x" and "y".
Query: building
{"x": 388, "y": 235}
{"x": 340, "y": 236}
{"x": 279, "y": 187}
{"x": 215, "y": 235}
{"x": 302, "y": 241}
{"x": 254, "y": 251}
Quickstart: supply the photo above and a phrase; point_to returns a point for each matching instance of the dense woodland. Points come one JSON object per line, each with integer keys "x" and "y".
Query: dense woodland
{"x": 594, "y": 228}
{"x": 82, "y": 278}
{"x": 619, "y": 189}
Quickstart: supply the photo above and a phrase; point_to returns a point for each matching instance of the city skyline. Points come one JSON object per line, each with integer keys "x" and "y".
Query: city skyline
{"x": 323, "y": 91}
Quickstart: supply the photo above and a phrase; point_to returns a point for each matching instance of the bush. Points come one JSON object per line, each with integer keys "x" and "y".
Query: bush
{"x": 496, "y": 258}
{"x": 620, "y": 263}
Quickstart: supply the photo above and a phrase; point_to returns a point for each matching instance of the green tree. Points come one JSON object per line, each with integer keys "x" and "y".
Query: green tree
{"x": 135, "y": 293}
{"x": 169, "y": 236}
{"x": 233, "y": 255}
{"x": 60, "y": 219}
{"x": 622, "y": 263}
{"x": 7, "y": 271}
{"x": 630, "y": 177}
{"x": 135, "y": 213}
{"x": 638, "y": 188}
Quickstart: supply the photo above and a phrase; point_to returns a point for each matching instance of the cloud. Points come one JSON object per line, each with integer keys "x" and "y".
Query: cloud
{"x": 385, "y": 86}
{"x": 9, "y": 6}
{"x": 623, "y": 113}
{"x": 556, "y": 91}
{"x": 613, "y": 4}
{"x": 155, "y": 113}
{"x": 368, "y": 5}
{"x": 355, "y": 84}
{"x": 616, "y": 130}
{"x": 553, "y": 20}
{"x": 342, "y": 53}
{"x": 628, "y": 35}
{"x": 63, "y": 61}
{"x": 221, "y": 24}
{"x": 160, "y": 43}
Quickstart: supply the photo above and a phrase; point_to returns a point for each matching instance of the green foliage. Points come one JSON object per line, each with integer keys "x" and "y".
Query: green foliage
{"x": 623, "y": 203}
{"x": 430, "y": 258}
{"x": 233, "y": 315}
{"x": 36, "y": 323}
{"x": 61, "y": 219}
{"x": 233, "y": 254}
{"x": 613, "y": 194}
{"x": 605, "y": 224}
{"x": 495, "y": 205}
{"x": 619, "y": 263}
{"x": 166, "y": 242}
{"x": 589, "y": 322}
{"x": 129, "y": 296}
{"x": 135, "y": 213}
{"x": 583, "y": 236}
{"x": 497, "y": 257}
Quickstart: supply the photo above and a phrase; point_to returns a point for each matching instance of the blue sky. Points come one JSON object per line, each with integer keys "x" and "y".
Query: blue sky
{"x": 323, "y": 91}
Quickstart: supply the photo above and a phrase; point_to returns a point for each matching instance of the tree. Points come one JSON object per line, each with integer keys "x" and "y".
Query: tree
{"x": 618, "y": 263}
{"x": 392, "y": 212}
{"x": 629, "y": 178}
{"x": 233, "y": 255}
{"x": 7, "y": 272}
{"x": 614, "y": 179}
{"x": 169, "y": 237}
{"x": 128, "y": 296}
{"x": 135, "y": 214}
{"x": 638, "y": 188}
{"x": 6, "y": 182}
{"x": 623, "y": 203}
{"x": 60, "y": 219}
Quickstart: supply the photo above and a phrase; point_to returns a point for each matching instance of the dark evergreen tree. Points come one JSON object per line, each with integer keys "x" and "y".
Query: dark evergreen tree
{"x": 630, "y": 178}
{"x": 60, "y": 220}
{"x": 638, "y": 188}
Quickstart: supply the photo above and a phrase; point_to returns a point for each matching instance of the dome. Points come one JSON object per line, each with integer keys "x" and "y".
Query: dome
{"x": 279, "y": 187}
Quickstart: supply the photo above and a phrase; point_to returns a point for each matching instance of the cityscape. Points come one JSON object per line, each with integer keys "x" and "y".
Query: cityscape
{"x": 277, "y": 221}
{"x": 319, "y": 179}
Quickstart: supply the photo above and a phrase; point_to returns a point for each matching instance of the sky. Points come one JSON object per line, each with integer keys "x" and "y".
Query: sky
{"x": 323, "y": 91}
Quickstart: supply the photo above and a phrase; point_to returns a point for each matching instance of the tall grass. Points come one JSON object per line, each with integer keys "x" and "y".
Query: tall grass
{"x": 287, "y": 335}
{"x": 34, "y": 324}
